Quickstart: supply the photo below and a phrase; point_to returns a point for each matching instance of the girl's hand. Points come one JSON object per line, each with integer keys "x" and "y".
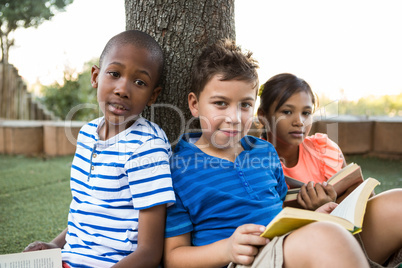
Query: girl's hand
{"x": 312, "y": 197}
{"x": 243, "y": 245}
{"x": 38, "y": 245}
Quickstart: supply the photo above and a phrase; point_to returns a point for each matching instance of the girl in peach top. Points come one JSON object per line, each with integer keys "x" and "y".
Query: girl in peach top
{"x": 286, "y": 108}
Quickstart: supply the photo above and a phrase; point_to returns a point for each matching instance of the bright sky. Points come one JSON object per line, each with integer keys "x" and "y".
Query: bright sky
{"x": 350, "y": 46}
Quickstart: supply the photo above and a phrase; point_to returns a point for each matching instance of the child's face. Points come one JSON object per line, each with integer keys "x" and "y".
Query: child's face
{"x": 225, "y": 110}
{"x": 126, "y": 83}
{"x": 291, "y": 123}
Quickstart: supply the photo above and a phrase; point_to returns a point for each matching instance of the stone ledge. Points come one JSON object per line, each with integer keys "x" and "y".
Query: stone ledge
{"x": 52, "y": 138}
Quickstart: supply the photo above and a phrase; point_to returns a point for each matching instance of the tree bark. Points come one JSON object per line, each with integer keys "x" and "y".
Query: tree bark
{"x": 182, "y": 28}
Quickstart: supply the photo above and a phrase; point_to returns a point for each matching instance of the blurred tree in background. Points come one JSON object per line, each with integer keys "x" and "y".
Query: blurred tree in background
{"x": 24, "y": 13}
{"x": 68, "y": 98}
{"x": 386, "y": 105}
{"x": 16, "y": 14}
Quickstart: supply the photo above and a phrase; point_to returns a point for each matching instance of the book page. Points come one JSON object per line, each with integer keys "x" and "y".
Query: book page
{"x": 50, "y": 258}
{"x": 346, "y": 209}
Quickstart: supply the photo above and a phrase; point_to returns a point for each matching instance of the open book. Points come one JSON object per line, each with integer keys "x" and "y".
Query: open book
{"x": 49, "y": 258}
{"x": 351, "y": 175}
{"x": 349, "y": 213}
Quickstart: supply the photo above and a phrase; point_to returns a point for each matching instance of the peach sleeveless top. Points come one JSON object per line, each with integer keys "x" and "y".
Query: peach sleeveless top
{"x": 319, "y": 159}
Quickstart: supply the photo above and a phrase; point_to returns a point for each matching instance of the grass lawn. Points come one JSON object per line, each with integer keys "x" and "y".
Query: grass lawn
{"x": 34, "y": 200}
{"x": 388, "y": 172}
{"x": 35, "y": 195}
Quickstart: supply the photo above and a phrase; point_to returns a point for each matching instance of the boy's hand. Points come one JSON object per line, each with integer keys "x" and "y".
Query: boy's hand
{"x": 243, "y": 245}
{"x": 38, "y": 245}
{"x": 327, "y": 208}
{"x": 312, "y": 197}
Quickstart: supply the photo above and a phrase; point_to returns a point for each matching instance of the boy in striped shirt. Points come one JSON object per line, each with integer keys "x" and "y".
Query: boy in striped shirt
{"x": 229, "y": 186}
{"x": 120, "y": 176}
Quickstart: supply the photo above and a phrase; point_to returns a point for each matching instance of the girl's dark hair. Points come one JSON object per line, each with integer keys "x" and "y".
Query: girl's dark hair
{"x": 224, "y": 58}
{"x": 280, "y": 88}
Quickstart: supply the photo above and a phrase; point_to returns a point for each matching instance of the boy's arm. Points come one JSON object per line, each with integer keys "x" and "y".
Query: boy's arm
{"x": 180, "y": 253}
{"x": 240, "y": 248}
{"x": 151, "y": 227}
{"x": 58, "y": 242}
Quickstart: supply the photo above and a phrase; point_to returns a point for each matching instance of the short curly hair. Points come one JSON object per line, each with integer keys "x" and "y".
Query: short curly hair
{"x": 227, "y": 59}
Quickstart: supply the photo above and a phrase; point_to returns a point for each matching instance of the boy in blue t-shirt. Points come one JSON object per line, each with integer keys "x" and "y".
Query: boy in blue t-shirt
{"x": 120, "y": 176}
{"x": 229, "y": 186}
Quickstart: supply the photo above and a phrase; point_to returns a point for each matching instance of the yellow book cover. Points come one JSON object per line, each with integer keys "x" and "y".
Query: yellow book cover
{"x": 349, "y": 213}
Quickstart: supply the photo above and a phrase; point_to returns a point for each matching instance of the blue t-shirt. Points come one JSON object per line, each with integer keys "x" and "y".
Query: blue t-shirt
{"x": 214, "y": 196}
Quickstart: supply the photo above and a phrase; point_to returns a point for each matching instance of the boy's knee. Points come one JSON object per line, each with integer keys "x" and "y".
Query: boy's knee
{"x": 319, "y": 235}
{"x": 335, "y": 244}
{"x": 326, "y": 231}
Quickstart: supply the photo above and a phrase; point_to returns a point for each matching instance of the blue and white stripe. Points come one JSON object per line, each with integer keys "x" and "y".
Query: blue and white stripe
{"x": 110, "y": 182}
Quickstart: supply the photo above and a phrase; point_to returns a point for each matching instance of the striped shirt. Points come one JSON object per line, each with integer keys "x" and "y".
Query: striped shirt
{"x": 214, "y": 196}
{"x": 110, "y": 182}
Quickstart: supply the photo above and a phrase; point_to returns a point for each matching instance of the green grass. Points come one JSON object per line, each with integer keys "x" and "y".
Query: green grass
{"x": 35, "y": 195}
{"x": 34, "y": 200}
{"x": 388, "y": 172}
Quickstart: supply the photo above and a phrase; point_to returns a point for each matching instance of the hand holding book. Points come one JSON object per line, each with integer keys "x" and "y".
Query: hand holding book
{"x": 349, "y": 213}
{"x": 344, "y": 181}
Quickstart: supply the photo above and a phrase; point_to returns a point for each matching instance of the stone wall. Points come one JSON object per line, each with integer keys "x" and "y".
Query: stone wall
{"x": 50, "y": 138}
{"x": 374, "y": 137}
{"x": 56, "y": 138}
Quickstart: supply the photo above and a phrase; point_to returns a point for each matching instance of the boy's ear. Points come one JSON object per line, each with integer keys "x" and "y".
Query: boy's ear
{"x": 193, "y": 104}
{"x": 94, "y": 76}
{"x": 154, "y": 95}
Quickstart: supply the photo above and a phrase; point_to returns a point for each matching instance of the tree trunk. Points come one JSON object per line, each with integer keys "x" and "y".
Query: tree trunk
{"x": 182, "y": 28}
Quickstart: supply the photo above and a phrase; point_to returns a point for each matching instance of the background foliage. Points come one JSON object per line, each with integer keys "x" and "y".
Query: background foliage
{"x": 62, "y": 98}
{"x": 386, "y": 105}
{"x": 25, "y": 14}
{"x": 76, "y": 89}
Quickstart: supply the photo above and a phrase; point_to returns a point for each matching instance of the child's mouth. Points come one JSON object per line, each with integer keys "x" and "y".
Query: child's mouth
{"x": 117, "y": 108}
{"x": 230, "y": 133}
{"x": 296, "y": 134}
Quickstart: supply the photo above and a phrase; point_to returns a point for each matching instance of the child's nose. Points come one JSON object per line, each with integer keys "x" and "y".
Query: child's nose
{"x": 122, "y": 90}
{"x": 234, "y": 115}
{"x": 298, "y": 120}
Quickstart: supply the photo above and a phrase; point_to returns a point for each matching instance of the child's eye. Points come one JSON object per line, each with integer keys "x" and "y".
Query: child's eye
{"x": 287, "y": 112}
{"x": 220, "y": 103}
{"x": 307, "y": 113}
{"x": 139, "y": 83}
{"x": 246, "y": 105}
{"x": 114, "y": 74}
